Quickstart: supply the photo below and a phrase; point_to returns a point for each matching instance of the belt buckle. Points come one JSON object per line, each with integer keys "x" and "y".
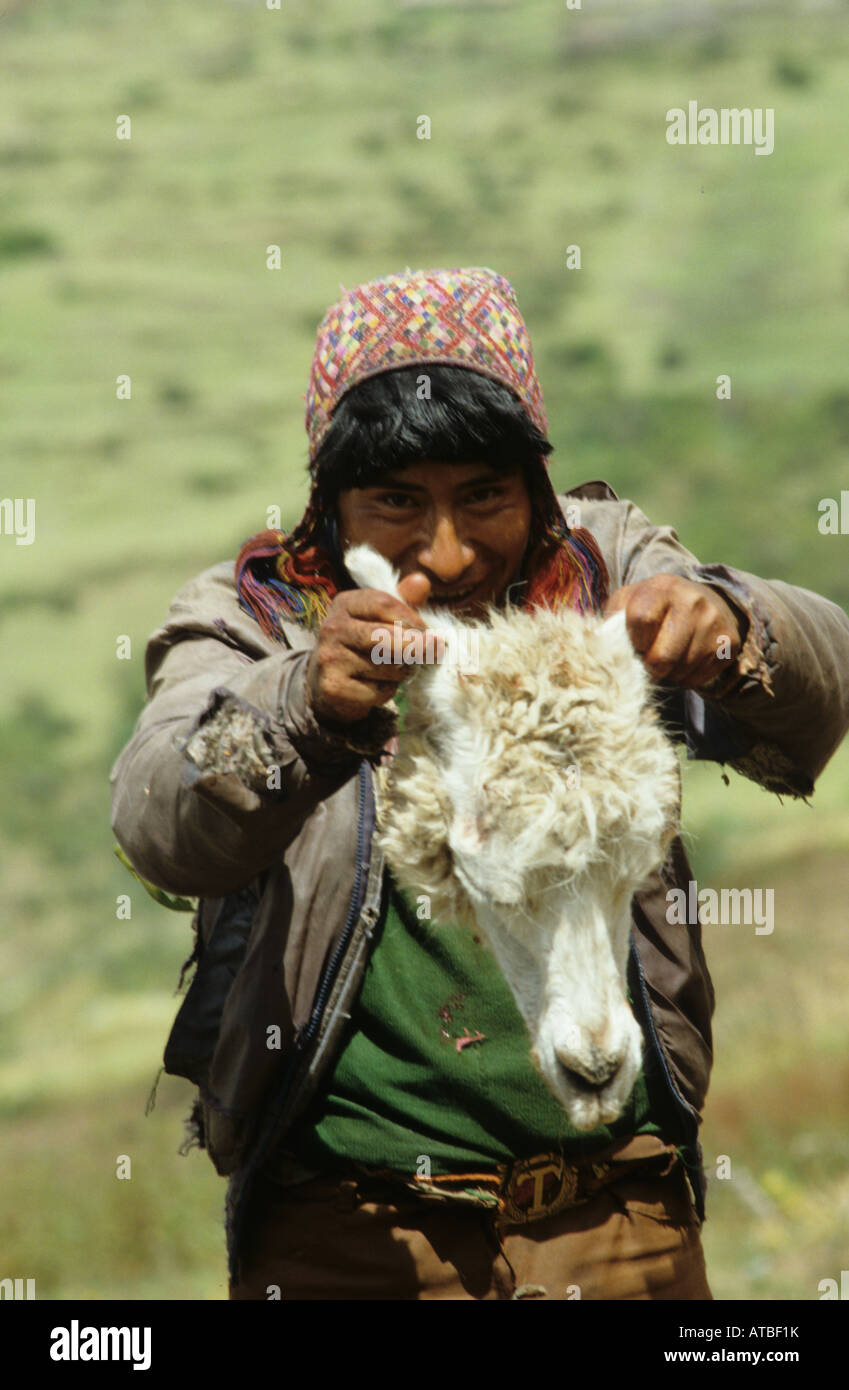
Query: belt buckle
{"x": 538, "y": 1187}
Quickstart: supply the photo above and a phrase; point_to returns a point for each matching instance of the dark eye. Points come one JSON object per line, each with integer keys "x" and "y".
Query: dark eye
{"x": 395, "y": 499}
{"x": 435, "y": 739}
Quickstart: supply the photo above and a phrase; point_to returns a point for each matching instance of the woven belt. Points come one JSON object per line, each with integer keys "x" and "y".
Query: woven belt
{"x": 524, "y": 1190}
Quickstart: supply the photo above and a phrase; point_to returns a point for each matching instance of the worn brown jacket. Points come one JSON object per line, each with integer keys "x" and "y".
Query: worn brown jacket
{"x": 291, "y": 884}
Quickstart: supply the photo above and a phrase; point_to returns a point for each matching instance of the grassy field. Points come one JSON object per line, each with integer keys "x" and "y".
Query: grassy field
{"x": 147, "y": 257}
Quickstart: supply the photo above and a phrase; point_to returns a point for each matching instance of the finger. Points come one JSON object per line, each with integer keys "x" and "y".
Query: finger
{"x": 415, "y": 589}
{"x": 645, "y": 613}
{"x": 703, "y": 663}
{"x": 367, "y": 638}
{"x": 374, "y": 606}
{"x": 666, "y": 651}
{"x": 378, "y": 690}
{"x": 704, "y": 673}
{"x": 402, "y": 648}
{"x": 391, "y": 654}
{"x": 348, "y": 687}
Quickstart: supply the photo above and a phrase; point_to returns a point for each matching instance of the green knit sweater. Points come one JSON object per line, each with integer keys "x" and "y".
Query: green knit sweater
{"x": 437, "y": 1064}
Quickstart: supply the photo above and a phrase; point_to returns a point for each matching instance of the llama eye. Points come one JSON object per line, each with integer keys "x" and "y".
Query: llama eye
{"x": 435, "y": 741}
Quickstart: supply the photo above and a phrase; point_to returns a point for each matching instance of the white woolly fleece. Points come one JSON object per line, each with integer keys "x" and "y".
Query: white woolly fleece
{"x": 532, "y": 793}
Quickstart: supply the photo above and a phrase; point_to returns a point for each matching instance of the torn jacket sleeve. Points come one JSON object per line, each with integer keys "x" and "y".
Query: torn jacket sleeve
{"x": 226, "y": 763}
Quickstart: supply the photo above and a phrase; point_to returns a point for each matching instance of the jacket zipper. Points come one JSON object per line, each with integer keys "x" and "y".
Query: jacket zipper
{"x": 329, "y": 976}
{"x": 689, "y": 1114}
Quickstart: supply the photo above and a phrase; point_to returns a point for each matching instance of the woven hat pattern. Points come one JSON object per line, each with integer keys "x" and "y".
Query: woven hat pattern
{"x": 463, "y": 317}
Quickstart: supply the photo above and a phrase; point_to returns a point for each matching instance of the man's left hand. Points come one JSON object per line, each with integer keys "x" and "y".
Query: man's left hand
{"x": 685, "y": 632}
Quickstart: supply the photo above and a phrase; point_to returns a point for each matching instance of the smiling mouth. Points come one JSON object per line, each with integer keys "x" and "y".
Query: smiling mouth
{"x": 453, "y": 598}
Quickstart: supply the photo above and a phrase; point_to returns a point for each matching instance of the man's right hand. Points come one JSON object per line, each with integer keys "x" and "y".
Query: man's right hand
{"x": 343, "y": 682}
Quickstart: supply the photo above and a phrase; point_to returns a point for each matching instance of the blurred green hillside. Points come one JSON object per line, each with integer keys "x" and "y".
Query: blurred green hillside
{"x": 147, "y": 257}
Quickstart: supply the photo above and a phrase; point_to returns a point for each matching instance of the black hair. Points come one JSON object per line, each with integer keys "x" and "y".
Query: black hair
{"x": 384, "y": 423}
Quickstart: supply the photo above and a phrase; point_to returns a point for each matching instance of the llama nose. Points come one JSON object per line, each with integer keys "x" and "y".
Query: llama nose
{"x": 592, "y": 1073}
{"x": 587, "y": 1084}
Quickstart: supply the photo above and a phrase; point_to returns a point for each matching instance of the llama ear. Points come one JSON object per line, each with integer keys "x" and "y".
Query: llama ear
{"x": 370, "y": 570}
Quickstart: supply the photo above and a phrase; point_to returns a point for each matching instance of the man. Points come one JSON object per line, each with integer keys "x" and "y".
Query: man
{"x": 364, "y": 1077}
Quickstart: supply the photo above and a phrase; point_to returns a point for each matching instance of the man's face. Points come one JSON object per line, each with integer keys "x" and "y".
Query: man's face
{"x": 463, "y": 525}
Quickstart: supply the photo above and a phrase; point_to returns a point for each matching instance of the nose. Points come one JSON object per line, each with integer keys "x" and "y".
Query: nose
{"x": 445, "y": 554}
{"x": 590, "y": 1073}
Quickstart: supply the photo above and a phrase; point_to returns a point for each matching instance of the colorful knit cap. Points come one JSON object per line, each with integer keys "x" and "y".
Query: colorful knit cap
{"x": 463, "y": 317}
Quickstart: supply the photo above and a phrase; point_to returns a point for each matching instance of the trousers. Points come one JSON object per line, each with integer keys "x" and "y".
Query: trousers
{"x": 638, "y": 1238}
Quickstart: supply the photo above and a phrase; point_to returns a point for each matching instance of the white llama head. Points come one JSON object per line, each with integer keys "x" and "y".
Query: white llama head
{"x": 532, "y": 793}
